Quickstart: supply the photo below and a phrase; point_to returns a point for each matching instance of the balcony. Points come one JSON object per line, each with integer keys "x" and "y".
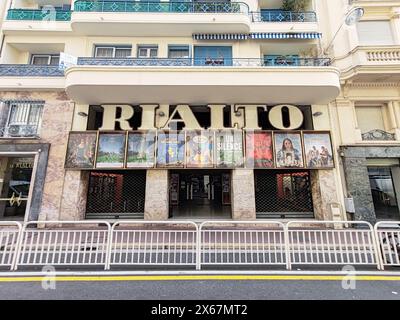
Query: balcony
{"x": 372, "y": 63}
{"x": 201, "y": 81}
{"x": 130, "y": 18}
{"x": 20, "y": 131}
{"x": 26, "y": 76}
{"x": 38, "y": 20}
{"x": 284, "y": 21}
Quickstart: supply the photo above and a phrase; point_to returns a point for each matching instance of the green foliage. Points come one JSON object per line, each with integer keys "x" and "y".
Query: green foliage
{"x": 295, "y": 5}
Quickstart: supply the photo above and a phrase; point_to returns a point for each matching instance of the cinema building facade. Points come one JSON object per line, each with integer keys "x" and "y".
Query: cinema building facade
{"x": 208, "y": 111}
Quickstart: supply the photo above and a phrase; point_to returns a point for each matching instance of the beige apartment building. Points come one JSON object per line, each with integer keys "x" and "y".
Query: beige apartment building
{"x": 199, "y": 110}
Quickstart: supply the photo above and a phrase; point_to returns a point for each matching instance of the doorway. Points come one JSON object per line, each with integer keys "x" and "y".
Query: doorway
{"x": 200, "y": 194}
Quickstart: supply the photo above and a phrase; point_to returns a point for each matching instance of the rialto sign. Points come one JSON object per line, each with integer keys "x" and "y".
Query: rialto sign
{"x": 281, "y": 117}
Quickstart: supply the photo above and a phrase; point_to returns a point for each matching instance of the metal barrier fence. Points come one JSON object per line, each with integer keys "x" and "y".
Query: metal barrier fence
{"x": 164, "y": 243}
{"x": 213, "y": 243}
{"x": 242, "y": 245}
{"x": 59, "y": 246}
{"x": 388, "y": 237}
{"x": 9, "y": 238}
{"x": 352, "y": 244}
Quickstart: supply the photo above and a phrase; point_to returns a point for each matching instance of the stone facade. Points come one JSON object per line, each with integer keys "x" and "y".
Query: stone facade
{"x": 243, "y": 195}
{"x": 157, "y": 195}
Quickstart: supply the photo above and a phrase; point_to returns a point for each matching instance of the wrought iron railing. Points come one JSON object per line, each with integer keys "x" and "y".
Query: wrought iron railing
{"x": 19, "y": 131}
{"x": 177, "y": 62}
{"x": 29, "y": 70}
{"x": 154, "y": 6}
{"x": 39, "y": 15}
{"x": 283, "y": 16}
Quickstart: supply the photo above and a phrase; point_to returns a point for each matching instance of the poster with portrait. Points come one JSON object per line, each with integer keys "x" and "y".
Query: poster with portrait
{"x": 229, "y": 148}
{"x": 199, "y": 149}
{"x": 288, "y": 150}
{"x": 81, "y": 150}
{"x": 111, "y": 150}
{"x": 141, "y": 147}
{"x": 318, "y": 150}
{"x": 171, "y": 149}
{"x": 259, "y": 151}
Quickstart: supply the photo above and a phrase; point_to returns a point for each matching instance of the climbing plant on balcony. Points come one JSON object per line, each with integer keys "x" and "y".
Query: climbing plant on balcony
{"x": 295, "y": 5}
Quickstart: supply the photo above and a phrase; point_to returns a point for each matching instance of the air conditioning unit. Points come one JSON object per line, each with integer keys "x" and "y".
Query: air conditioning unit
{"x": 16, "y": 130}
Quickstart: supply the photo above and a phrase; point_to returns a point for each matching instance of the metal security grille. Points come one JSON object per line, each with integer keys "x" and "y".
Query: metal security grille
{"x": 283, "y": 194}
{"x": 116, "y": 194}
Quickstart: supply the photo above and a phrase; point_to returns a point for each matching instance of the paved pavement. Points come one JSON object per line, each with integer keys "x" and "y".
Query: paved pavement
{"x": 202, "y": 286}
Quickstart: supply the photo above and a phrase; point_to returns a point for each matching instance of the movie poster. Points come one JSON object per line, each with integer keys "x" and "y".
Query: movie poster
{"x": 111, "y": 150}
{"x": 259, "y": 150}
{"x": 171, "y": 149}
{"x": 288, "y": 150}
{"x": 318, "y": 150}
{"x": 81, "y": 150}
{"x": 141, "y": 149}
{"x": 199, "y": 149}
{"x": 229, "y": 148}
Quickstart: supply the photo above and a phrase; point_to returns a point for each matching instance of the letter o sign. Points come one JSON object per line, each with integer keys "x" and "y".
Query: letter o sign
{"x": 275, "y": 117}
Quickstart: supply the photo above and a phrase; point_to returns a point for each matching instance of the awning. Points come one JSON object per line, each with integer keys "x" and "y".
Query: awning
{"x": 257, "y": 36}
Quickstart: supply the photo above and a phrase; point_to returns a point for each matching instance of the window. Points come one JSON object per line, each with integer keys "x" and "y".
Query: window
{"x": 147, "y": 52}
{"x": 370, "y": 118}
{"x": 213, "y": 55}
{"x": 45, "y": 59}
{"x": 178, "y": 52}
{"x": 112, "y": 51}
{"x": 24, "y": 119}
{"x": 375, "y": 32}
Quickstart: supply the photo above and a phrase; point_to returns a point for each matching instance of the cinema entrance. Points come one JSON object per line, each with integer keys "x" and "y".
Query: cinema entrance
{"x": 200, "y": 194}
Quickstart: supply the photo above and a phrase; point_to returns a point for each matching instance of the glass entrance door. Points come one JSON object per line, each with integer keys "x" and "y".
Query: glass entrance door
{"x": 200, "y": 193}
{"x": 383, "y": 193}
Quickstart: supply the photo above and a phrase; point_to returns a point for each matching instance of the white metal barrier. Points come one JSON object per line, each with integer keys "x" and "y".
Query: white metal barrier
{"x": 153, "y": 243}
{"x": 354, "y": 244}
{"x": 250, "y": 245}
{"x": 388, "y": 239}
{"x": 10, "y": 233}
{"x": 57, "y": 245}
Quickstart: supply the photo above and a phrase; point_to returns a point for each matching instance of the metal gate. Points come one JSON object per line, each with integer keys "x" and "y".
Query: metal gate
{"x": 283, "y": 194}
{"x": 116, "y": 194}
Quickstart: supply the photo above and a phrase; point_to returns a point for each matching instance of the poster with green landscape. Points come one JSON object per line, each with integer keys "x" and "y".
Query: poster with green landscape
{"x": 111, "y": 150}
{"x": 141, "y": 149}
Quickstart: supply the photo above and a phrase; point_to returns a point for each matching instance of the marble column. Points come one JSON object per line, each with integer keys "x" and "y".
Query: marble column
{"x": 359, "y": 188}
{"x": 324, "y": 193}
{"x": 73, "y": 202}
{"x": 243, "y": 195}
{"x": 156, "y": 205}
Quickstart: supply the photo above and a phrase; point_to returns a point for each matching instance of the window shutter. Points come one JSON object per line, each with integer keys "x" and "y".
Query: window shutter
{"x": 375, "y": 32}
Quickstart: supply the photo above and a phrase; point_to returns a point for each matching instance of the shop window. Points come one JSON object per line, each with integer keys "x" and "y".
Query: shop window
{"x": 24, "y": 119}
{"x": 45, "y": 59}
{"x": 112, "y": 51}
{"x": 375, "y": 32}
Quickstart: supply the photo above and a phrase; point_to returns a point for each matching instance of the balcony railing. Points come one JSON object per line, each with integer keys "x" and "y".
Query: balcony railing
{"x": 207, "y": 62}
{"x": 29, "y": 70}
{"x": 284, "y": 16}
{"x": 38, "y": 15}
{"x": 19, "y": 131}
{"x": 152, "y": 6}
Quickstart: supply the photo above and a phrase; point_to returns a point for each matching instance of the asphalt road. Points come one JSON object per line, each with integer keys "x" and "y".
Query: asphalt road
{"x": 203, "y": 287}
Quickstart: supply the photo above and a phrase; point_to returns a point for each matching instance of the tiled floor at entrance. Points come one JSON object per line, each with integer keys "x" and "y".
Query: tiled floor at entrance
{"x": 201, "y": 212}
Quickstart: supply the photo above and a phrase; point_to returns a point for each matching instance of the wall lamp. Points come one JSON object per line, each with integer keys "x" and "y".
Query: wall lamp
{"x": 82, "y": 114}
{"x": 161, "y": 114}
{"x": 317, "y": 114}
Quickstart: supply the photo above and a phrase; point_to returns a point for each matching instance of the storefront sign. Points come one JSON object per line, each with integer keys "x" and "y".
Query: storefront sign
{"x": 229, "y": 149}
{"x": 171, "y": 149}
{"x": 259, "y": 150}
{"x": 199, "y": 149}
{"x": 141, "y": 149}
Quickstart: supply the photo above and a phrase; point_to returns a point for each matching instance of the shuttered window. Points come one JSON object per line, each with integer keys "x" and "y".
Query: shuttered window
{"x": 375, "y": 32}
{"x": 370, "y": 118}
